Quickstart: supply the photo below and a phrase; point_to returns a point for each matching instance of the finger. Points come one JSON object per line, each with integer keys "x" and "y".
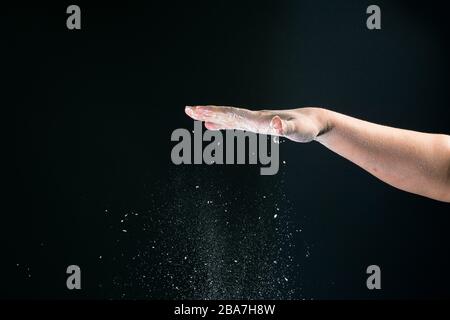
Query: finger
{"x": 220, "y": 113}
{"x": 204, "y": 113}
{"x": 188, "y": 110}
{"x": 209, "y": 109}
{"x": 212, "y": 126}
{"x": 220, "y": 126}
{"x": 221, "y": 117}
{"x": 281, "y": 127}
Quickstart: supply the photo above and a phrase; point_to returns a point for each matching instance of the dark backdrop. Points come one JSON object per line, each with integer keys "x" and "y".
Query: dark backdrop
{"x": 92, "y": 114}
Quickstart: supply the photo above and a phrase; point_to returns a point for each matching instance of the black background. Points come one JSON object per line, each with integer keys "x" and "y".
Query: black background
{"x": 93, "y": 111}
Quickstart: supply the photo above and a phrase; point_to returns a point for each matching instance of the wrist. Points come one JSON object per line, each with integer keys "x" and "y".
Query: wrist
{"x": 324, "y": 121}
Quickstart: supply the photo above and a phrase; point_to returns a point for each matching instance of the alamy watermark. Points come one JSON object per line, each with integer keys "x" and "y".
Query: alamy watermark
{"x": 213, "y": 153}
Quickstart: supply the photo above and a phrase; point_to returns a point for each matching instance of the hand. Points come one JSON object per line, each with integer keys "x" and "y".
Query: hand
{"x": 412, "y": 161}
{"x": 301, "y": 125}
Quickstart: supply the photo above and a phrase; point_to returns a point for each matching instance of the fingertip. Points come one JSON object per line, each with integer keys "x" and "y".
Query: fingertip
{"x": 188, "y": 110}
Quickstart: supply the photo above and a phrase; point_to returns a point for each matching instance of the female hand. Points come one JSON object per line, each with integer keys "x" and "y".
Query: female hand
{"x": 301, "y": 125}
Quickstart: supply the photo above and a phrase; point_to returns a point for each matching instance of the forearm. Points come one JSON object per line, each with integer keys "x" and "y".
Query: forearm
{"x": 412, "y": 161}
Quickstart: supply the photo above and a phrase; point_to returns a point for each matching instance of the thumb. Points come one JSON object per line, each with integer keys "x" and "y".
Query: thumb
{"x": 281, "y": 127}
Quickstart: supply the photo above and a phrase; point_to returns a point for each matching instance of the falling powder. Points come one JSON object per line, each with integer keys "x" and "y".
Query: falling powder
{"x": 234, "y": 251}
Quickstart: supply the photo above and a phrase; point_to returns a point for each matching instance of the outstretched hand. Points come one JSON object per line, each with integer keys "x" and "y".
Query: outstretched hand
{"x": 409, "y": 160}
{"x": 301, "y": 125}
